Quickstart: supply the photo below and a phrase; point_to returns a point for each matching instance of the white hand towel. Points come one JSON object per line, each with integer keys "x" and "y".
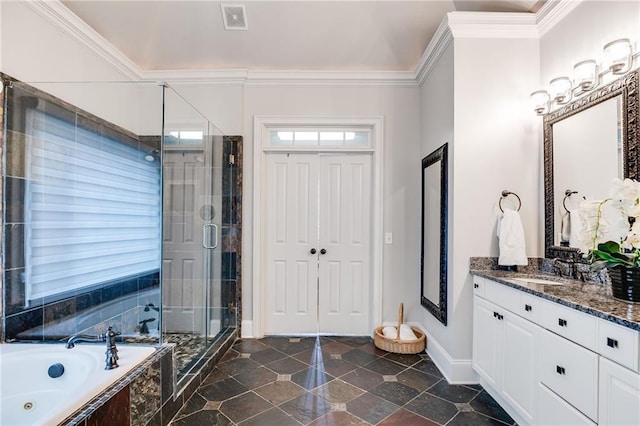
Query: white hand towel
{"x": 406, "y": 333}
{"x": 390, "y": 332}
{"x": 575, "y": 235}
{"x": 565, "y": 227}
{"x": 511, "y": 236}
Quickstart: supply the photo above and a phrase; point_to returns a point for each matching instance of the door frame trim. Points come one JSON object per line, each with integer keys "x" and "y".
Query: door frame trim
{"x": 261, "y": 125}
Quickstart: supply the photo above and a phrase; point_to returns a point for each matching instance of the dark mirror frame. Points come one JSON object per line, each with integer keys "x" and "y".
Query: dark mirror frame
{"x": 627, "y": 86}
{"x": 439, "y": 309}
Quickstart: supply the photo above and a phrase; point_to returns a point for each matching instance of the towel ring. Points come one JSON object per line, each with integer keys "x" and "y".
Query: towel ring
{"x": 568, "y": 193}
{"x": 505, "y": 194}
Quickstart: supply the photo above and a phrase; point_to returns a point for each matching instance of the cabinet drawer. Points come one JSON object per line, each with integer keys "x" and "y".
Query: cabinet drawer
{"x": 529, "y": 307}
{"x": 478, "y": 286}
{"x": 554, "y": 411}
{"x": 570, "y": 371}
{"x": 502, "y": 295}
{"x": 569, "y": 323}
{"x": 619, "y": 344}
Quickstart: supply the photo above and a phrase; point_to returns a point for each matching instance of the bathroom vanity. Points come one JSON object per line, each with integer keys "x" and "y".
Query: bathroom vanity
{"x": 555, "y": 351}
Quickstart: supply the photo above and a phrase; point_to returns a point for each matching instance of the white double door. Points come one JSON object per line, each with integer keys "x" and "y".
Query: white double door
{"x": 318, "y": 251}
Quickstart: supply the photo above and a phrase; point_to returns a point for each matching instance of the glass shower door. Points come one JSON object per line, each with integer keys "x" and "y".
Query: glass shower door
{"x": 191, "y": 232}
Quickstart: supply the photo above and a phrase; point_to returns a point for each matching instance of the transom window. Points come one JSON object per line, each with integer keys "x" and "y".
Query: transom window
{"x": 324, "y": 138}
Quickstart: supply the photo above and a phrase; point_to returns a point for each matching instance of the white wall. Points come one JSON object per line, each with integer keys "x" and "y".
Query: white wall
{"x": 221, "y": 103}
{"x": 436, "y": 128}
{"x": 477, "y": 99}
{"x": 35, "y": 52}
{"x": 401, "y": 180}
{"x": 583, "y": 33}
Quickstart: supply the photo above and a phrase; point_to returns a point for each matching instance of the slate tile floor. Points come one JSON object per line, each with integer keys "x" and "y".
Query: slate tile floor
{"x": 284, "y": 381}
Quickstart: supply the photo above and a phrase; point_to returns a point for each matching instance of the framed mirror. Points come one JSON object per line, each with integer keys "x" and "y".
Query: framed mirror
{"x": 587, "y": 143}
{"x": 433, "y": 256}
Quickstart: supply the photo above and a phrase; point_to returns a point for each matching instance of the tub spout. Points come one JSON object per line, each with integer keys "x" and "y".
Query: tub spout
{"x": 83, "y": 338}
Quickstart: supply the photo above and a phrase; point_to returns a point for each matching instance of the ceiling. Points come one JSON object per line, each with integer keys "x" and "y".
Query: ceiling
{"x": 282, "y": 35}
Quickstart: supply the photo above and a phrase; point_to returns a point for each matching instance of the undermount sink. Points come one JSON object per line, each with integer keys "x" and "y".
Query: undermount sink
{"x": 536, "y": 281}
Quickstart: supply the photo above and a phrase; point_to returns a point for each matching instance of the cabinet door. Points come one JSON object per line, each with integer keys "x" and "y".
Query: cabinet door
{"x": 619, "y": 395}
{"x": 487, "y": 342}
{"x": 520, "y": 372}
{"x": 554, "y": 411}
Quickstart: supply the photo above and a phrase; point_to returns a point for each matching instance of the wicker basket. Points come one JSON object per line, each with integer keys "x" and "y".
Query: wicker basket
{"x": 400, "y": 346}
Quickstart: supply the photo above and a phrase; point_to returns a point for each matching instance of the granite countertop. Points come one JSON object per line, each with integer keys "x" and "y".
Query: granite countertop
{"x": 593, "y": 299}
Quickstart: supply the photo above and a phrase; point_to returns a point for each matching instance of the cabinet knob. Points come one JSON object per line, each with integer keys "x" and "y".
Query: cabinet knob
{"x": 312, "y": 251}
{"x": 323, "y": 251}
{"x": 562, "y": 322}
{"x": 475, "y": 285}
{"x": 527, "y": 308}
{"x": 612, "y": 343}
{"x": 560, "y": 370}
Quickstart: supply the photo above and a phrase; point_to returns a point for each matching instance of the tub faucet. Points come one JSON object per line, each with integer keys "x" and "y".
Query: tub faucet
{"x": 83, "y": 338}
{"x": 111, "y": 360}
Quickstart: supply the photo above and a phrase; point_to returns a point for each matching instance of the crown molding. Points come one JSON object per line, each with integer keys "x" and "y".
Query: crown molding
{"x": 198, "y": 77}
{"x": 492, "y": 25}
{"x": 436, "y": 47}
{"x": 264, "y": 78}
{"x": 66, "y": 21}
{"x": 552, "y": 12}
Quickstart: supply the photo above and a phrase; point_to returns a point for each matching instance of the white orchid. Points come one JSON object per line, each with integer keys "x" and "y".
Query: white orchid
{"x": 611, "y": 227}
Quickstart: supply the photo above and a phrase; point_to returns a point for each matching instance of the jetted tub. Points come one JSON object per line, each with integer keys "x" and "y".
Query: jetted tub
{"x": 29, "y": 396}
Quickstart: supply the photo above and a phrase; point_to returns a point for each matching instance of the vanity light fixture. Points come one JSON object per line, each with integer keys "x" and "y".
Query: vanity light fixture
{"x": 585, "y": 75}
{"x": 560, "y": 90}
{"x": 540, "y": 101}
{"x": 618, "y": 59}
{"x": 618, "y": 55}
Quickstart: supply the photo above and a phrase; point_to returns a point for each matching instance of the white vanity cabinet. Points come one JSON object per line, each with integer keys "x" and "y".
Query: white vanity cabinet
{"x": 551, "y": 364}
{"x": 504, "y": 355}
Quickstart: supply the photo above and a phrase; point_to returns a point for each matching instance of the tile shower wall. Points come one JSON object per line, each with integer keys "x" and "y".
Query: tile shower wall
{"x": 232, "y": 229}
{"x": 2, "y": 110}
{"x": 118, "y": 304}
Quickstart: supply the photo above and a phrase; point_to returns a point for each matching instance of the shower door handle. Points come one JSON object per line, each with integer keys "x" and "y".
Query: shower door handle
{"x": 205, "y": 242}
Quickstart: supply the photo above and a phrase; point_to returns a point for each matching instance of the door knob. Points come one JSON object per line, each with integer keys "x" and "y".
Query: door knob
{"x": 312, "y": 251}
{"x": 323, "y": 251}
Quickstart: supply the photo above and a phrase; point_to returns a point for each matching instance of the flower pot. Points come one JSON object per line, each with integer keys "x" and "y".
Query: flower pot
{"x": 625, "y": 283}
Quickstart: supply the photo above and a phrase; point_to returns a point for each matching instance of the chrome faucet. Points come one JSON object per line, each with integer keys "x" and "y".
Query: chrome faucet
{"x": 111, "y": 360}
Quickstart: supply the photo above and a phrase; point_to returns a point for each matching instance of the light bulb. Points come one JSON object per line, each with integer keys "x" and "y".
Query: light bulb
{"x": 617, "y": 55}
{"x": 585, "y": 75}
{"x": 560, "y": 90}
{"x": 540, "y": 101}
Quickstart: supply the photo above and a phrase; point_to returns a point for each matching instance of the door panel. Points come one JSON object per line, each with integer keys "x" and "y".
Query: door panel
{"x": 344, "y": 282}
{"x": 292, "y": 231}
{"x": 183, "y": 257}
{"x": 318, "y": 202}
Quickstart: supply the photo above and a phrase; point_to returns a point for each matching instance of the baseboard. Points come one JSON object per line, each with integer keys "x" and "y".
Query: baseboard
{"x": 456, "y": 371}
{"x": 247, "y": 329}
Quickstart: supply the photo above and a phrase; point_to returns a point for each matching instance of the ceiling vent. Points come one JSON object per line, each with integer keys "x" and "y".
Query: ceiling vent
{"x": 234, "y": 16}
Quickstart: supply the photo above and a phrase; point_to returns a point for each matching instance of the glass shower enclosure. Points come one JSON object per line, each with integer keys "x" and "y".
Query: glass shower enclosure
{"x": 194, "y": 311}
{"x": 121, "y": 202}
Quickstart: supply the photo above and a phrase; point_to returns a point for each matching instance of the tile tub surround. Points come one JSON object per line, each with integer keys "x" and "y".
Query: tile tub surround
{"x": 147, "y": 397}
{"x": 589, "y": 297}
{"x": 332, "y": 381}
{"x": 134, "y": 399}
